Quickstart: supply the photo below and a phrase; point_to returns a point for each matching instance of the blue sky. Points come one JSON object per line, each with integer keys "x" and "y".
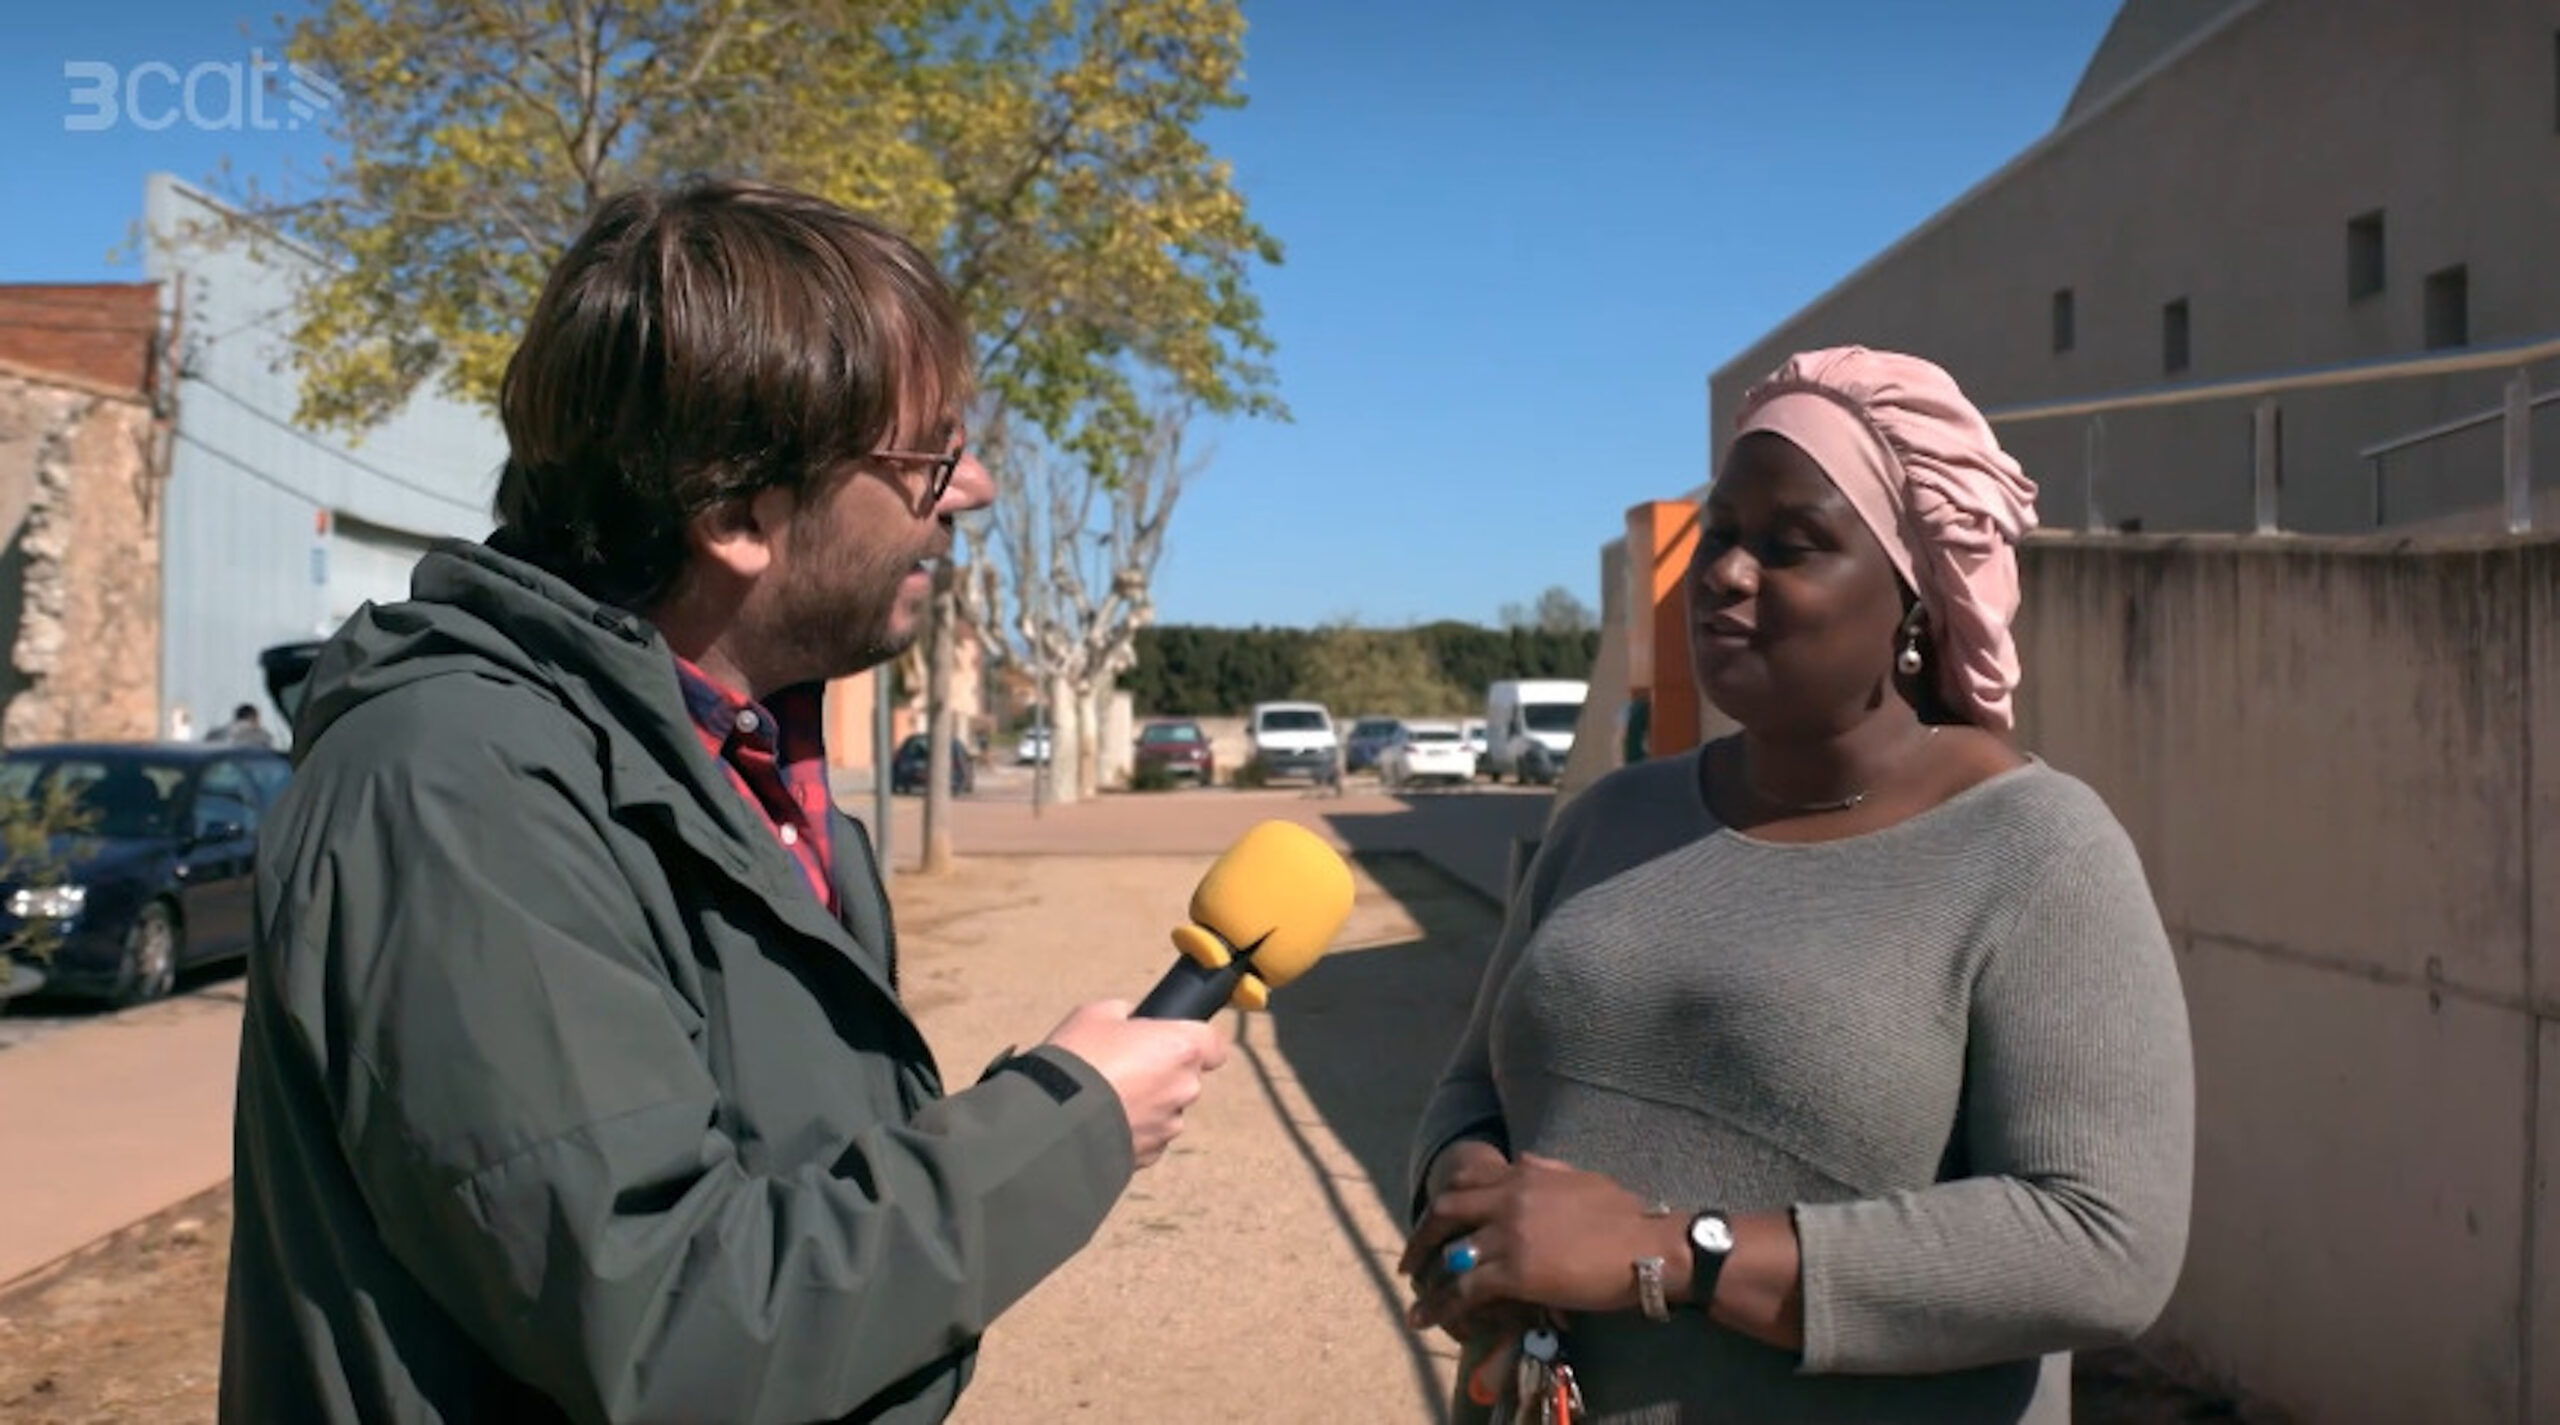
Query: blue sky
{"x": 1520, "y": 235}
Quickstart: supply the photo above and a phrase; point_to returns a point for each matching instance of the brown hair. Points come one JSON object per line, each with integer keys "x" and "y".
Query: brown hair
{"x": 702, "y": 342}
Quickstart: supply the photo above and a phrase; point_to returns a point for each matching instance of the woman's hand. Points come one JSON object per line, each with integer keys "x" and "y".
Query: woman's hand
{"x": 1544, "y": 1233}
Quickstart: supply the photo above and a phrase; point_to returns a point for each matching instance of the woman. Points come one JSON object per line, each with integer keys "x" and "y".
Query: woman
{"x": 1838, "y": 1070}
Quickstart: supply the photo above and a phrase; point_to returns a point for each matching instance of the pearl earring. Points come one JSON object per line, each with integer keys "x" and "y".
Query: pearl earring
{"x": 1907, "y": 662}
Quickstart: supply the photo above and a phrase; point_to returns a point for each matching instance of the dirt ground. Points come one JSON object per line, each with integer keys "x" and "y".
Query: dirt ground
{"x": 1247, "y": 1278}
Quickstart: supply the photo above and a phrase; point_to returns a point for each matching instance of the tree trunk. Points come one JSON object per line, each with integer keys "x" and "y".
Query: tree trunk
{"x": 1089, "y": 728}
{"x": 1066, "y": 742}
{"x": 939, "y": 655}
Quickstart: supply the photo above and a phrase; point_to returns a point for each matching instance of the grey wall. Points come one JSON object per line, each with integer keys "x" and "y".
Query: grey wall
{"x": 2227, "y": 176}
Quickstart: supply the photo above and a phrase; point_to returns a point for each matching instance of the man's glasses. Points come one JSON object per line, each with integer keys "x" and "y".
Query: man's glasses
{"x": 939, "y": 467}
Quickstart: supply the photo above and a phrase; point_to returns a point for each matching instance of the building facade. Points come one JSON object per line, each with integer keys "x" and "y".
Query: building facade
{"x": 273, "y": 531}
{"x": 2240, "y": 188}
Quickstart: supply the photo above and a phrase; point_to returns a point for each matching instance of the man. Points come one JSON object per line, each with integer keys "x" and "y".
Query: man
{"x": 574, "y": 1081}
{"x": 244, "y": 729}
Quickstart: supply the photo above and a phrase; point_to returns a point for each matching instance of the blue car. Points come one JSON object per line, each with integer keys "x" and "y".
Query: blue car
{"x": 154, "y": 877}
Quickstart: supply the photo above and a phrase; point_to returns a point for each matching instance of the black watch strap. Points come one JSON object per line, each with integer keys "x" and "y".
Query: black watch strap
{"x": 1710, "y": 1242}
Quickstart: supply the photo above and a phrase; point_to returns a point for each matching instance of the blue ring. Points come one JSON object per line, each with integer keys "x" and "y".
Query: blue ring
{"x": 1461, "y": 1258}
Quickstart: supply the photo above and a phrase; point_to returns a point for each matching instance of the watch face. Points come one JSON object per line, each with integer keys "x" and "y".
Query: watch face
{"x": 1712, "y": 1234}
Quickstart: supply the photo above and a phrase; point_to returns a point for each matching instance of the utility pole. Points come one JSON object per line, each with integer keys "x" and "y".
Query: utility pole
{"x": 940, "y": 653}
{"x": 884, "y": 682}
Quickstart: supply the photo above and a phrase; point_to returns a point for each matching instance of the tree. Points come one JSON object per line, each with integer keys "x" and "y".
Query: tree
{"x": 32, "y": 830}
{"x": 1557, "y": 610}
{"x": 1074, "y": 556}
{"x": 1045, "y": 150}
{"x": 1388, "y": 671}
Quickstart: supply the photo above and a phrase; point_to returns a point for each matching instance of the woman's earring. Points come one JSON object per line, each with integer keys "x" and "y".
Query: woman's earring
{"x": 1907, "y": 662}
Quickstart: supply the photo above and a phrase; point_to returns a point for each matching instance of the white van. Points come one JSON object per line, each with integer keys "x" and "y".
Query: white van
{"x": 1529, "y": 726}
{"x": 1294, "y": 740}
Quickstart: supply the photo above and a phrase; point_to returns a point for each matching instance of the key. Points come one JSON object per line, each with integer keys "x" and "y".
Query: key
{"x": 1542, "y": 1346}
{"x": 1529, "y": 1391}
{"x": 1534, "y": 1381}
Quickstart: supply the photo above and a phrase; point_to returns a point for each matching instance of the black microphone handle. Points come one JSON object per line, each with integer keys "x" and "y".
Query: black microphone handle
{"x": 1191, "y": 990}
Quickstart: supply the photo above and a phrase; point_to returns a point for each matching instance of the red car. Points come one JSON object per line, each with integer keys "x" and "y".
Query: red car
{"x": 1179, "y": 747}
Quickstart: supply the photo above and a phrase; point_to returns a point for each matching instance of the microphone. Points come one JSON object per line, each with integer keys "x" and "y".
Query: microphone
{"x": 1264, "y": 913}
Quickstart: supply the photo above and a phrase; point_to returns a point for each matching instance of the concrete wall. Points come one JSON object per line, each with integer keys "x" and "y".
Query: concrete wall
{"x": 2341, "y": 760}
{"x": 2227, "y": 175}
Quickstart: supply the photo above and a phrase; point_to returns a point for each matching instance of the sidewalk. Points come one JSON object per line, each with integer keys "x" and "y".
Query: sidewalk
{"x": 1468, "y": 834}
{"x": 108, "y": 1122}
{"x": 128, "y": 1114}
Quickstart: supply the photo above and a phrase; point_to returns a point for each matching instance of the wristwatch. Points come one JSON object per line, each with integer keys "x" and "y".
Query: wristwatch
{"x": 1710, "y": 1242}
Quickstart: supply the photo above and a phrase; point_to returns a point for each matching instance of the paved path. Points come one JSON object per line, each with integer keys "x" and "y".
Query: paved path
{"x": 106, "y": 1122}
{"x": 1468, "y": 833}
{"x": 121, "y": 1115}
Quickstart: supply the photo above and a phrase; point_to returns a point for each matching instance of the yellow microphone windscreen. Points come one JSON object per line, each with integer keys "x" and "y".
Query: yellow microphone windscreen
{"x": 1281, "y": 890}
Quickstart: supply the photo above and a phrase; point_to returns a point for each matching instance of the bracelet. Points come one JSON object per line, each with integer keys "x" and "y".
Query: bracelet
{"x": 1649, "y": 1295}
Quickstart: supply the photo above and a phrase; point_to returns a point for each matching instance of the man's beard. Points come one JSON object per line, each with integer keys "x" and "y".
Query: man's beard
{"x": 836, "y": 620}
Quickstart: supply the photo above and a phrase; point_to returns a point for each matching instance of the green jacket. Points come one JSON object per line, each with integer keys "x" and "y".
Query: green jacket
{"x": 562, "y": 1097}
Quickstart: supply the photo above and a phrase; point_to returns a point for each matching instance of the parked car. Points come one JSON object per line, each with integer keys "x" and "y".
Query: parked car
{"x": 155, "y": 878}
{"x": 1367, "y": 737}
{"x": 912, "y": 764}
{"x": 1471, "y": 732}
{"x": 1033, "y": 749}
{"x": 1179, "y": 747}
{"x": 1426, "y": 752}
{"x": 1294, "y": 739}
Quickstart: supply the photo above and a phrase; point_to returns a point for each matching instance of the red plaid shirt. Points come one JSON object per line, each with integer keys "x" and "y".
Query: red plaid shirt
{"x": 775, "y": 753}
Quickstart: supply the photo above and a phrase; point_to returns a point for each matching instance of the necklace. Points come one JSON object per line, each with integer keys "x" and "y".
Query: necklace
{"x": 1789, "y": 808}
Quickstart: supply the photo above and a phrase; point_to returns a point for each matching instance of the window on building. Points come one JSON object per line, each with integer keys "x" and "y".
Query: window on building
{"x": 2173, "y": 337}
{"x": 2365, "y": 266}
{"x": 2449, "y": 307}
{"x": 2065, "y": 321}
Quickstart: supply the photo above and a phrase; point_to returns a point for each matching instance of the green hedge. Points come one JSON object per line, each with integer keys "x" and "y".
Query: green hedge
{"x": 1190, "y": 669}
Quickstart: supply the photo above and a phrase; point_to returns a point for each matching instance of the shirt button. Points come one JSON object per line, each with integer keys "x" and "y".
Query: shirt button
{"x": 747, "y": 720}
{"x": 790, "y": 835}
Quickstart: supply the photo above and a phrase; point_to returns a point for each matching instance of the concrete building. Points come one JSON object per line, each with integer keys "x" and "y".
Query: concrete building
{"x": 2241, "y": 188}
{"x": 274, "y": 531}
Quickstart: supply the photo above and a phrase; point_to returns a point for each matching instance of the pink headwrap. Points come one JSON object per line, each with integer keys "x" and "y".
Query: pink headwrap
{"x": 1924, "y": 471}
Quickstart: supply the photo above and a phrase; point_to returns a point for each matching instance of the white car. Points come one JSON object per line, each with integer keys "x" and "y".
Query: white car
{"x": 1471, "y": 732}
{"x": 1033, "y": 749}
{"x": 1426, "y": 752}
{"x": 1294, "y": 739}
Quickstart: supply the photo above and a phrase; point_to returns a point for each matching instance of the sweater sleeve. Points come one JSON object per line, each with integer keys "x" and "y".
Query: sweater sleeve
{"x": 2079, "y": 1106}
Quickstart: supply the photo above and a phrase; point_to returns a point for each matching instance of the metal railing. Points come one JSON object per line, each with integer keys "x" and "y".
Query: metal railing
{"x": 2267, "y": 448}
{"x": 2516, "y": 458}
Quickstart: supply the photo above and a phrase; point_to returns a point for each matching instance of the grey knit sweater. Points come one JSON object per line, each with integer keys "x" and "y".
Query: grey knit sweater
{"x": 1956, "y": 1047}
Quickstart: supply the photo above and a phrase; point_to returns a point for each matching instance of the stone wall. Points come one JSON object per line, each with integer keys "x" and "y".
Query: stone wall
{"x": 80, "y": 572}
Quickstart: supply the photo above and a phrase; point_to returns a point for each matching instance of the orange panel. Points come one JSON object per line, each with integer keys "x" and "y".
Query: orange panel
{"x": 1660, "y": 536}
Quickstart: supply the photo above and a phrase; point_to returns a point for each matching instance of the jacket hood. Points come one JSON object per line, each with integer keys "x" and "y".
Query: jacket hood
{"x": 475, "y": 612}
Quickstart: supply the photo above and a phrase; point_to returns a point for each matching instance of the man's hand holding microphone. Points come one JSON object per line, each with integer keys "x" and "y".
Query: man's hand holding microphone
{"x": 1263, "y": 913}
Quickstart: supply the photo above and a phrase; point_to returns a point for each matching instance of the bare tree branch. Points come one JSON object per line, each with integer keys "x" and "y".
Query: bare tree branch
{"x": 1078, "y": 553}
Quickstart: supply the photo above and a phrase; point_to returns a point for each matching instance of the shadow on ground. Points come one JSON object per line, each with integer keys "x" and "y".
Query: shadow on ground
{"x": 1367, "y": 1031}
